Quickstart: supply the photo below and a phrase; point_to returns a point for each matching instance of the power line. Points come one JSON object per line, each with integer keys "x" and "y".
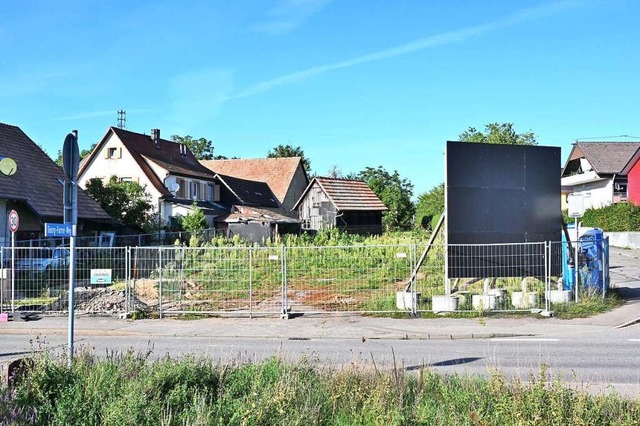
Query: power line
{"x": 608, "y": 137}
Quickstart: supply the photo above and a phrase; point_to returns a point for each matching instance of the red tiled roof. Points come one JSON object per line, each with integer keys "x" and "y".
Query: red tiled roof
{"x": 276, "y": 172}
{"x": 347, "y": 194}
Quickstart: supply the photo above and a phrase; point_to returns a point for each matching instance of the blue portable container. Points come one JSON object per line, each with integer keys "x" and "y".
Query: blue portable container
{"x": 593, "y": 256}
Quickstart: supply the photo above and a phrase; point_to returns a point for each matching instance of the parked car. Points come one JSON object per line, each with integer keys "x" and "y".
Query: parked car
{"x": 45, "y": 260}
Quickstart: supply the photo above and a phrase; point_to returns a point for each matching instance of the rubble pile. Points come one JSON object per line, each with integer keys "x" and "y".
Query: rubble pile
{"x": 97, "y": 300}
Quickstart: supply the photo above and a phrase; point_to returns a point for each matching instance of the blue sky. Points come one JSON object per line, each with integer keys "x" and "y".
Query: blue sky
{"x": 354, "y": 83}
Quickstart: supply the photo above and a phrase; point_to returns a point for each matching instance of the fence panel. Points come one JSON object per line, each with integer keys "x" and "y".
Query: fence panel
{"x": 176, "y": 279}
{"x": 518, "y": 279}
{"x": 346, "y": 279}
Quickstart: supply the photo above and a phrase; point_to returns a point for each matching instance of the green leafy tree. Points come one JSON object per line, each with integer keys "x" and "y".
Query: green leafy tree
{"x": 395, "y": 192}
{"x": 83, "y": 153}
{"x": 499, "y": 133}
{"x": 290, "y": 151}
{"x": 127, "y": 202}
{"x": 202, "y": 148}
{"x": 195, "y": 221}
{"x": 429, "y": 207}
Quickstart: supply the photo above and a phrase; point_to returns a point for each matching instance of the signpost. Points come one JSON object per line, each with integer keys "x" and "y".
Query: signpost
{"x": 14, "y": 224}
{"x": 575, "y": 209}
{"x": 71, "y": 162}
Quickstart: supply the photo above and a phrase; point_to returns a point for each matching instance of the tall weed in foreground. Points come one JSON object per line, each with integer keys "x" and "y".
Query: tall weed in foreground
{"x": 128, "y": 389}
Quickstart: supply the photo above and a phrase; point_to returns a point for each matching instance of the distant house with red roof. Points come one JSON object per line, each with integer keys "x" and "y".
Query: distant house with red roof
{"x": 346, "y": 204}
{"x": 285, "y": 176}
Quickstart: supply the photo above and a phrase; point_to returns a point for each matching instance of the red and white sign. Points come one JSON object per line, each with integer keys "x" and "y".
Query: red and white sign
{"x": 14, "y": 221}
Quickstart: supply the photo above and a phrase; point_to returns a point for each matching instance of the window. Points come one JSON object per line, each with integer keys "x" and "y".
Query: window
{"x": 112, "y": 152}
{"x": 195, "y": 190}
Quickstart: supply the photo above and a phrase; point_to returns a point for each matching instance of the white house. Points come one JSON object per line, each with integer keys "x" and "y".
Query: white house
{"x": 596, "y": 170}
{"x": 169, "y": 171}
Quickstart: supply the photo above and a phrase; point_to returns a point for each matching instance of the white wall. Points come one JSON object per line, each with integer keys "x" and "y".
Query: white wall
{"x": 596, "y": 194}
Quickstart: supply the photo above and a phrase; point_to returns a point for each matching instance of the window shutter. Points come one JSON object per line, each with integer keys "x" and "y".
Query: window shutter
{"x": 106, "y": 152}
{"x": 120, "y": 152}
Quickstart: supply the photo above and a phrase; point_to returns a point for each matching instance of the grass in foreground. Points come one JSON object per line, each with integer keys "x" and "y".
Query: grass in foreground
{"x": 128, "y": 389}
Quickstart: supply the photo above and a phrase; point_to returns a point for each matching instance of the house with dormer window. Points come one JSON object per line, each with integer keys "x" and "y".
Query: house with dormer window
{"x": 172, "y": 175}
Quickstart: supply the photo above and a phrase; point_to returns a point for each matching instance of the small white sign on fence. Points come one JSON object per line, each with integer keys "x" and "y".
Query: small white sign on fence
{"x": 273, "y": 257}
{"x": 101, "y": 276}
{"x": 401, "y": 255}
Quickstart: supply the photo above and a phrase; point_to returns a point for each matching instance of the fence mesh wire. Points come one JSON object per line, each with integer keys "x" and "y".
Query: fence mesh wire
{"x": 279, "y": 280}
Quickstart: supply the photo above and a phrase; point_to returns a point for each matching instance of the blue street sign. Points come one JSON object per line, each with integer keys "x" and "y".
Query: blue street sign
{"x": 57, "y": 230}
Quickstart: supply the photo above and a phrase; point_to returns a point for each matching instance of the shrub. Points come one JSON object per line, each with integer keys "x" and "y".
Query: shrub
{"x": 621, "y": 217}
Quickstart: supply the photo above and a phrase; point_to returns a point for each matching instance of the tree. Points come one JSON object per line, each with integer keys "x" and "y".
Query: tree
{"x": 127, "y": 202}
{"x": 429, "y": 207}
{"x": 290, "y": 151}
{"x": 503, "y": 133}
{"x": 202, "y": 148}
{"x": 83, "y": 153}
{"x": 395, "y": 193}
{"x": 195, "y": 221}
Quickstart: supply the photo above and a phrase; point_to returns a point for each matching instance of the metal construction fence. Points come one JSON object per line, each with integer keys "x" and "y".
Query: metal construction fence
{"x": 285, "y": 280}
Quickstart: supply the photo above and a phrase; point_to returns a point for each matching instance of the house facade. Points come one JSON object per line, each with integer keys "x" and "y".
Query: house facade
{"x": 598, "y": 171}
{"x": 168, "y": 171}
{"x": 346, "y": 204}
{"x": 173, "y": 177}
{"x": 285, "y": 176}
{"x": 30, "y": 185}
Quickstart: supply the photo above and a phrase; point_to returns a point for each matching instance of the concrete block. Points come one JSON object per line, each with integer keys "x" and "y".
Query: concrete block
{"x": 444, "y": 304}
{"x": 559, "y": 296}
{"x": 484, "y": 302}
{"x": 405, "y": 299}
{"x": 522, "y": 300}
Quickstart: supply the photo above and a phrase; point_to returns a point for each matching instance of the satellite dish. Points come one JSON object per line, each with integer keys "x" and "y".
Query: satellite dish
{"x": 175, "y": 186}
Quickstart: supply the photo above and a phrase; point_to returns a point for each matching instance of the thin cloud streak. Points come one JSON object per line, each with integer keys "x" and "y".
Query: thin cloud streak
{"x": 288, "y": 15}
{"x": 446, "y": 38}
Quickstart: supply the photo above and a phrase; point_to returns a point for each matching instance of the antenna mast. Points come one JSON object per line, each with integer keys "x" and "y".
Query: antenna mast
{"x": 122, "y": 119}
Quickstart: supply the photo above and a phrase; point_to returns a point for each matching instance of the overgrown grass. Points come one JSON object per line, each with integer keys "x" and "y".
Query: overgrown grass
{"x": 588, "y": 305}
{"x": 128, "y": 389}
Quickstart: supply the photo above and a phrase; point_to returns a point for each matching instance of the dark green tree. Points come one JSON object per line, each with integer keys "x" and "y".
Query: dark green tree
{"x": 127, "y": 202}
{"x": 429, "y": 207}
{"x": 83, "y": 153}
{"x": 201, "y": 148}
{"x": 500, "y": 133}
{"x": 395, "y": 192}
{"x": 195, "y": 221}
{"x": 290, "y": 151}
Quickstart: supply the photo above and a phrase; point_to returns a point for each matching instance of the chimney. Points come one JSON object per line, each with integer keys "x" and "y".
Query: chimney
{"x": 155, "y": 136}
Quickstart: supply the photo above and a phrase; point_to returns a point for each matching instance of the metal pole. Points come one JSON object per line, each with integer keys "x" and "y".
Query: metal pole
{"x": 575, "y": 261}
{"x": 160, "y": 283}
{"x": 250, "y": 282}
{"x": 72, "y": 273}
{"x": 13, "y": 271}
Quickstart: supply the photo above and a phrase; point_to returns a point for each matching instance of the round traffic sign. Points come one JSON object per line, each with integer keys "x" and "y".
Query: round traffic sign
{"x": 14, "y": 221}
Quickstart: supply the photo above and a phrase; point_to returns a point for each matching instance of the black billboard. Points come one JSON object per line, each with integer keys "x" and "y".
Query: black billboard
{"x": 497, "y": 194}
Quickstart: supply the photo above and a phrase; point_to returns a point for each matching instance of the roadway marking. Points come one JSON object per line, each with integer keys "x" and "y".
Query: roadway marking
{"x": 509, "y": 339}
{"x": 634, "y": 340}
